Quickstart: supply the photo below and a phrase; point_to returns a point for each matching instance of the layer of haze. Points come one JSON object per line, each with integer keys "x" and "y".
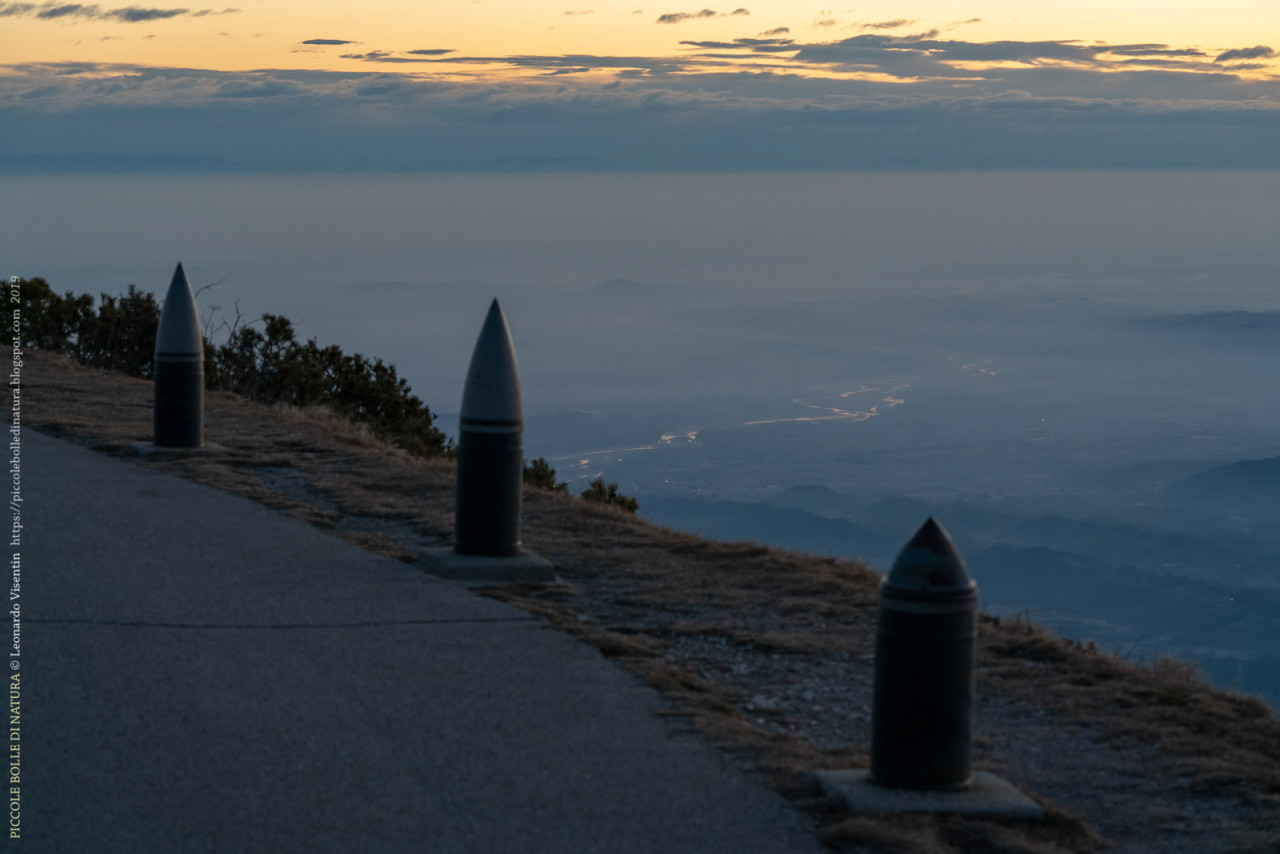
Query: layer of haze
{"x": 1074, "y": 371}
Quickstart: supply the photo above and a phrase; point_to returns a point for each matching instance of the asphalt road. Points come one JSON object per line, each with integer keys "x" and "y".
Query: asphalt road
{"x": 202, "y": 674}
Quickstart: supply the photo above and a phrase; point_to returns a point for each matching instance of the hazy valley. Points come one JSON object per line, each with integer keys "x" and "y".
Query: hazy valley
{"x": 1088, "y": 409}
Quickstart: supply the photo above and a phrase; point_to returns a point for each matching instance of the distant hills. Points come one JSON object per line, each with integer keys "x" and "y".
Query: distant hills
{"x": 629, "y": 295}
{"x": 1248, "y": 482}
{"x": 782, "y": 527}
{"x": 1252, "y": 324}
{"x": 98, "y": 163}
{"x": 632, "y": 288}
{"x": 819, "y": 500}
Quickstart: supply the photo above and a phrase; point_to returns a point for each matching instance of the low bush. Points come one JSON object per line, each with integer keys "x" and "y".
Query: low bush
{"x": 539, "y": 473}
{"x": 268, "y": 365}
{"x": 603, "y": 493}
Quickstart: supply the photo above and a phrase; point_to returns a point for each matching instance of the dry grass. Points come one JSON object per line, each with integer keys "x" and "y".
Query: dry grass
{"x": 1221, "y": 741}
{"x": 636, "y": 591}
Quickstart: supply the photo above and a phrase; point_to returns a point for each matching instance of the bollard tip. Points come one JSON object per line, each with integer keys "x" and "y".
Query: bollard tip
{"x": 929, "y": 562}
{"x": 492, "y": 389}
{"x": 178, "y": 283}
{"x": 179, "y": 329}
{"x": 931, "y": 537}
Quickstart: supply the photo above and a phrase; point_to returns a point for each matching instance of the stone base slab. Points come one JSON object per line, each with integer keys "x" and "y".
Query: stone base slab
{"x": 447, "y": 563}
{"x": 987, "y": 794}
{"x": 147, "y": 449}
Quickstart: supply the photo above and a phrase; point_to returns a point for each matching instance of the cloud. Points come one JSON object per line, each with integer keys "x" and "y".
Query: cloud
{"x": 583, "y": 12}
{"x": 1258, "y": 52}
{"x": 1150, "y": 50}
{"x": 884, "y": 99}
{"x": 743, "y": 43}
{"x": 129, "y": 14}
{"x": 888, "y": 25}
{"x": 927, "y": 56}
{"x": 924, "y": 55}
{"x": 740, "y": 12}
{"x": 1032, "y": 117}
{"x": 135, "y": 14}
{"x": 1158, "y": 62}
{"x": 829, "y": 22}
{"x": 1007, "y": 51}
{"x": 577, "y": 62}
{"x": 677, "y": 17}
{"x": 759, "y": 46}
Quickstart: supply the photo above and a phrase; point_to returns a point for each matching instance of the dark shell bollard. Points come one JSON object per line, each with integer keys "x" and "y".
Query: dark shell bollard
{"x": 922, "y": 713}
{"x": 178, "y": 415}
{"x": 490, "y": 447}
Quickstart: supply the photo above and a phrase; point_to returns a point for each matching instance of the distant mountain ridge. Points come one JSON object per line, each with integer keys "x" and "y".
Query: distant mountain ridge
{"x": 1245, "y": 482}
{"x": 1223, "y": 322}
{"x": 101, "y": 163}
{"x": 629, "y": 287}
{"x": 782, "y": 527}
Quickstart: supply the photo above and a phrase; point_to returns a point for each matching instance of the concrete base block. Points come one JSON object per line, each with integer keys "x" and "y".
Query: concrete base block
{"x": 447, "y": 563}
{"x": 987, "y": 794}
{"x": 147, "y": 449}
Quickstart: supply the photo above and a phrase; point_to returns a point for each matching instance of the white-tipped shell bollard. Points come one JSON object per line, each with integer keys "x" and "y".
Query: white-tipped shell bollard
{"x": 179, "y": 369}
{"x": 922, "y": 707}
{"x": 490, "y": 446}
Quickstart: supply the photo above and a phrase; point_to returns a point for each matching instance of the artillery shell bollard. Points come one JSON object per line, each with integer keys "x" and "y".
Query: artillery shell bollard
{"x": 179, "y": 369}
{"x": 490, "y": 470}
{"x": 490, "y": 446}
{"x": 922, "y": 703}
{"x": 922, "y": 709}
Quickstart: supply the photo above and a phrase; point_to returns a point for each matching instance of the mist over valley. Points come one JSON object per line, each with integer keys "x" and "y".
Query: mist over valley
{"x": 1073, "y": 372}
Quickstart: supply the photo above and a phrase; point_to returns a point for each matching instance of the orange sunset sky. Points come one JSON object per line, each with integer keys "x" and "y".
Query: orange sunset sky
{"x": 992, "y": 82}
{"x": 257, "y": 34}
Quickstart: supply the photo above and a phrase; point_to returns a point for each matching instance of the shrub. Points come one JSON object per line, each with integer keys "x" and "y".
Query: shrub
{"x": 539, "y": 473}
{"x": 49, "y": 321}
{"x": 599, "y": 492}
{"x": 268, "y": 365}
{"x": 120, "y": 335}
{"x": 271, "y": 366}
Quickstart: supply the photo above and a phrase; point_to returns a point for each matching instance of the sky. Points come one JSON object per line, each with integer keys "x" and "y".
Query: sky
{"x": 613, "y": 85}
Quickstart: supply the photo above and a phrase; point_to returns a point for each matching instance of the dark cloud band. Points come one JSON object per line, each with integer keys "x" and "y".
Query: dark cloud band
{"x": 693, "y": 120}
{"x": 677, "y": 17}
{"x": 94, "y": 12}
{"x": 1258, "y": 52}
